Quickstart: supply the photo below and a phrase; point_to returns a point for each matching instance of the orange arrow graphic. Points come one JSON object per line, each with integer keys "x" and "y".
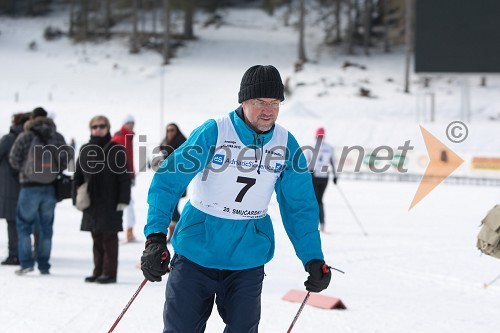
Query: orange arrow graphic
{"x": 442, "y": 162}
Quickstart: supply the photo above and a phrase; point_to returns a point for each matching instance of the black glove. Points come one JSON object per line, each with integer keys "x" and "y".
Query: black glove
{"x": 335, "y": 180}
{"x": 319, "y": 275}
{"x": 155, "y": 258}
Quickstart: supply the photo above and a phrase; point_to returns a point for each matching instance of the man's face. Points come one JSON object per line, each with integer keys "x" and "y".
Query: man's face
{"x": 261, "y": 113}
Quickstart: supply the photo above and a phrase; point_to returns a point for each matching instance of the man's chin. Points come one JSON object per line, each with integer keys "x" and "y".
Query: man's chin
{"x": 265, "y": 127}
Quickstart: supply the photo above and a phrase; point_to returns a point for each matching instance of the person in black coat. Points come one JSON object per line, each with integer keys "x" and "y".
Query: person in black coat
{"x": 173, "y": 140}
{"x": 102, "y": 164}
{"x": 9, "y": 191}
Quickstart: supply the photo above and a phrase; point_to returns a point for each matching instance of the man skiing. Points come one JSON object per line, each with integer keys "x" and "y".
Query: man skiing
{"x": 225, "y": 236}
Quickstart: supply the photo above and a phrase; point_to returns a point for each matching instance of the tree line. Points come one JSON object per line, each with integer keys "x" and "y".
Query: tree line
{"x": 353, "y": 26}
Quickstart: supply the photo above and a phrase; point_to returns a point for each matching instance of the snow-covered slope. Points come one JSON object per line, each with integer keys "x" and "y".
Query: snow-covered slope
{"x": 416, "y": 271}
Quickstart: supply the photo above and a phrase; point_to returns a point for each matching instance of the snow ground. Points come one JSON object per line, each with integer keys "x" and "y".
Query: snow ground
{"x": 416, "y": 271}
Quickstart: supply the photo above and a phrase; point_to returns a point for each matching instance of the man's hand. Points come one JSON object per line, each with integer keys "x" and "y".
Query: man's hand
{"x": 319, "y": 275}
{"x": 155, "y": 258}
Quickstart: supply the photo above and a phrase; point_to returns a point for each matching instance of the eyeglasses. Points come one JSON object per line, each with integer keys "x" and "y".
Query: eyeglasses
{"x": 170, "y": 130}
{"x": 100, "y": 126}
{"x": 260, "y": 103}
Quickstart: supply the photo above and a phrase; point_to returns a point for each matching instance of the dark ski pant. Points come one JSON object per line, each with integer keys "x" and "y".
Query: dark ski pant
{"x": 192, "y": 289}
{"x": 12, "y": 232}
{"x": 320, "y": 184}
{"x": 105, "y": 249}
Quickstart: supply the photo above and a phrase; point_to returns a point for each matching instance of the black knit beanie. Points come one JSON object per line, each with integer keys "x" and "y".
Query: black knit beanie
{"x": 261, "y": 82}
{"x": 38, "y": 112}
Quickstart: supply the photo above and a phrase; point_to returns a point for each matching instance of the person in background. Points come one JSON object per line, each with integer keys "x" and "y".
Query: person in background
{"x": 37, "y": 200}
{"x": 9, "y": 191}
{"x": 72, "y": 143}
{"x": 321, "y": 163}
{"x": 224, "y": 235}
{"x": 173, "y": 140}
{"x": 102, "y": 165}
{"x": 125, "y": 137}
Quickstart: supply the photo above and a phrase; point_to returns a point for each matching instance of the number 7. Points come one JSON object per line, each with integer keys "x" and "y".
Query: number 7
{"x": 249, "y": 183}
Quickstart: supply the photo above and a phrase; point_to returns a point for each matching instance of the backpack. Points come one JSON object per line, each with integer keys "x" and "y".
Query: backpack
{"x": 41, "y": 166}
{"x": 488, "y": 240}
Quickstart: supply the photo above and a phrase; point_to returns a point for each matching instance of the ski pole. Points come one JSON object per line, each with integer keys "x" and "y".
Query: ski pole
{"x": 352, "y": 210}
{"x": 305, "y": 301}
{"x": 298, "y": 313}
{"x": 486, "y": 285}
{"x": 128, "y": 305}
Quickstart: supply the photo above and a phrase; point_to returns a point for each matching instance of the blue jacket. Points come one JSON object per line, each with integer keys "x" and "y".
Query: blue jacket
{"x": 233, "y": 244}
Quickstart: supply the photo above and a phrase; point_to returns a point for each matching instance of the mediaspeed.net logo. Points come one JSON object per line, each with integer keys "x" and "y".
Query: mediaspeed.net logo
{"x": 439, "y": 168}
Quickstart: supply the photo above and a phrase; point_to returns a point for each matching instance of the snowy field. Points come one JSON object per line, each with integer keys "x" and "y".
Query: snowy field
{"x": 417, "y": 271}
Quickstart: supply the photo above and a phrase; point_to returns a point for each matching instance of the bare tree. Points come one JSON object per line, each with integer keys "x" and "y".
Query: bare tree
{"x": 188, "y": 19}
{"x": 385, "y": 14}
{"x": 142, "y": 18}
{"x": 134, "y": 39}
{"x": 108, "y": 21}
{"x": 367, "y": 26}
{"x": 338, "y": 9}
{"x": 153, "y": 13}
{"x": 84, "y": 20}
{"x": 302, "y": 47}
{"x": 350, "y": 27}
{"x": 166, "y": 33}
{"x": 409, "y": 42}
{"x": 71, "y": 31}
